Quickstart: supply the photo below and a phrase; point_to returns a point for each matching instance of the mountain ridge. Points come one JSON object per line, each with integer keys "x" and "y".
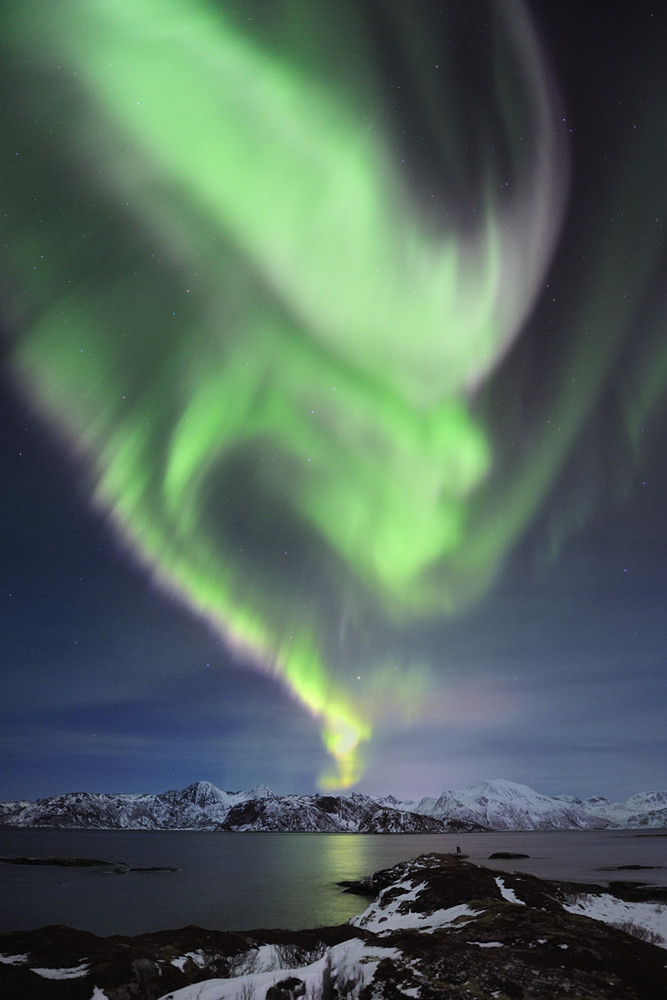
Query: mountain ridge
{"x": 491, "y": 805}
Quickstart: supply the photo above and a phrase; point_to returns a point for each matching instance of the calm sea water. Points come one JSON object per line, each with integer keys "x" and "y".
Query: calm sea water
{"x": 239, "y": 881}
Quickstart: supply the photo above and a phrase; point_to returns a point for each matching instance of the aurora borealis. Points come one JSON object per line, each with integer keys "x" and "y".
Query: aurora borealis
{"x": 277, "y": 280}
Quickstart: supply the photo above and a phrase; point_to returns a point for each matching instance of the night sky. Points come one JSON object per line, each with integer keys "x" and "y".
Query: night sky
{"x": 333, "y": 396}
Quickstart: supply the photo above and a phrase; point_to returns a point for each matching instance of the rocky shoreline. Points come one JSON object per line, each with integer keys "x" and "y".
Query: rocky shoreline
{"x": 438, "y": 927}
{"x": 67, "y": 862}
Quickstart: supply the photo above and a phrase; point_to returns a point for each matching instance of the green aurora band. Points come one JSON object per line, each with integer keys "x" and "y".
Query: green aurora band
{"x": 233, "y": 298}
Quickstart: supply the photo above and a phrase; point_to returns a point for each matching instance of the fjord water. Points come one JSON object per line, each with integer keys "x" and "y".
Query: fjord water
{"x": 239, "y": 881}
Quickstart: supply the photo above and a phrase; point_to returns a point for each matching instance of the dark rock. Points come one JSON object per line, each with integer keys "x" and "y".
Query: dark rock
{"x": 507, "y": 855}
{"x": 114, "y": 866}
{"x": 62, "y": 862}
{"x": 358, "y": 887}
{"x": 638, "y": 892}
{"x": 623, "y": 868}
{"x": 154, "y": 868}
{"x": 287, "y": 989}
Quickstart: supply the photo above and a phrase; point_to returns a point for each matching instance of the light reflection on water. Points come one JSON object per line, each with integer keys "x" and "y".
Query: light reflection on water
{"x": 250, "y": 880}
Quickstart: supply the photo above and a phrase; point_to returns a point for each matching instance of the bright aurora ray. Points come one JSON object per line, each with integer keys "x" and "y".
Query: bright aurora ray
{"x": 267, "y": 321}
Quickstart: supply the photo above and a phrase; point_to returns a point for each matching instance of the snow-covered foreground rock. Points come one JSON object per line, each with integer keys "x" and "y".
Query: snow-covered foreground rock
{"x": 437, "y": 927}
{"x": 347, "y": 970}
{"x": 493, "y": 805}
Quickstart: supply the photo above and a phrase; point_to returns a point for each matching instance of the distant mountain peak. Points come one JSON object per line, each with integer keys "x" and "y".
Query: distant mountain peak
{"x": 261, "y": 792}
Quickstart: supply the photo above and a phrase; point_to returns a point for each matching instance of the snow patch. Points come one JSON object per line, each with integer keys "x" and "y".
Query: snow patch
{"x": 651, "y": 917}
{"x": 190, "y": 956}
{"x": 74, "y": 973}
{"x": 354, "y": 963}
{"x": 266, "y": 958}
{"x": 507, "y": 893}
{"x": 13, "y": 959}
{"x": 384, "y": 920}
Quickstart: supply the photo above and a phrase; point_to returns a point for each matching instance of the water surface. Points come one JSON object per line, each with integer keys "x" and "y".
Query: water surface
{"x": 238, "y": 881}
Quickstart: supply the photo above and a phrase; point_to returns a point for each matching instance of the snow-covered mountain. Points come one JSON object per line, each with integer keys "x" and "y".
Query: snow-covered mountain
{"x": 331, "y": 814}
{"x": 505, "y": 805}
{"x": 202, "y": 806}
{"x": 492, "y": 805}
{"x": 199, "y": 806}
{"x": 645, "y": 809}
